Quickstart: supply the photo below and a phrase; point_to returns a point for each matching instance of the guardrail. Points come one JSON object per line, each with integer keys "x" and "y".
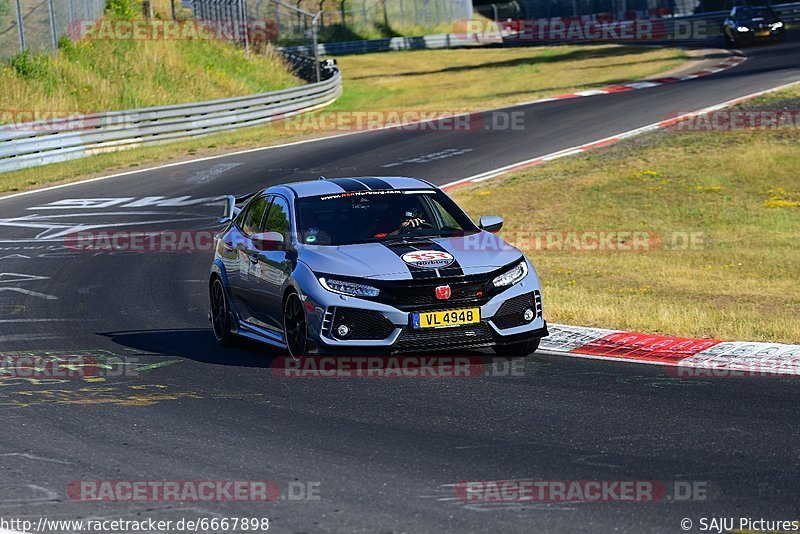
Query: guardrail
{"x": 50, "y": 141}
{"x": 443, "y": 40}
{"x": 790, "y": 10}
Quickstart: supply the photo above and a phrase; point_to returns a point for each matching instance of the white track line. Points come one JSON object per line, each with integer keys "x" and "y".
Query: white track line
{"x": 606, "y": 140}
{"x": 735, "y": 59}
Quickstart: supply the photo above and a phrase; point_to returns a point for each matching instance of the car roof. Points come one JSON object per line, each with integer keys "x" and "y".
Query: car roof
{"x": 752, "y": 8}
{"x": 332, "y": 186}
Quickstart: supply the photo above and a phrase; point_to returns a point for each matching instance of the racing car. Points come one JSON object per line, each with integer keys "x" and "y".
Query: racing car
{"x": 385, "y": 265}
{"x": 748, "y": 24}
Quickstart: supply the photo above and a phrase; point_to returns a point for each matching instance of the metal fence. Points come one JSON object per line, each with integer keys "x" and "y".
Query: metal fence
{"x": 427, "y": 42}
{"x": 339, "y": 19}
{"x": 390, "y": 13}
{"x": 38, "y": 24}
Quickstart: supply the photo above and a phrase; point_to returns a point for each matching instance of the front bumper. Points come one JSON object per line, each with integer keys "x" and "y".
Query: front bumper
{"x": 755, "y": 35}
{"x": 386, "y": 329}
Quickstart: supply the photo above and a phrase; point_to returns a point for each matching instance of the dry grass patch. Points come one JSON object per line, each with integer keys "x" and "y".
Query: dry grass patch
{"x": 737, "y": 192}
{"x": 481, "y": 78}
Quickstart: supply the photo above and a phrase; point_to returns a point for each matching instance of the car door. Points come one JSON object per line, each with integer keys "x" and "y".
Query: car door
{"x": 274, "y": 266}
{"x": 251, "y": 222}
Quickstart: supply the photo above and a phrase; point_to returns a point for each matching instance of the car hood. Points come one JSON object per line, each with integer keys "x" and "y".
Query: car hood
{"x": 758, "y": 21}
{"x": 474, "y": 254}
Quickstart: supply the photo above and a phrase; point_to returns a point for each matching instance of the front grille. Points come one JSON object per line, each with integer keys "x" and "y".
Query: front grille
{"x": 416, "y": 295}
{"x": 510, "y": 313}
{"x": 431, "y": 339}
{"x": 420, "y": 295}
{"x": 364, "y": 324}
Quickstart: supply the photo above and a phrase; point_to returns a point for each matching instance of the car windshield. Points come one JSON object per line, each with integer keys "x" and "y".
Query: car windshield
{"x": 379, "y": 215}
{"x": 755, "y": 12}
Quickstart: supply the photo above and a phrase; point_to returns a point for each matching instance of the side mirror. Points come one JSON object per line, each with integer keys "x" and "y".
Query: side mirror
{"x": 230, "y": 210}
{"x": 268, "y": 241}
{"x": 491, "y": 223}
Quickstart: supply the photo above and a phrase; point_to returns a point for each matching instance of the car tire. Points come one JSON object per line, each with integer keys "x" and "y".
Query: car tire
{"x": 220, "y": 312}
{"x": 516, "y": 350}
{"x": 295, "y": 326}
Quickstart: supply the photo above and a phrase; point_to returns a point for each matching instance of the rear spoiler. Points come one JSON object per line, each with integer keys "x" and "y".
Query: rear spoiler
{"x": 232, "y": 206}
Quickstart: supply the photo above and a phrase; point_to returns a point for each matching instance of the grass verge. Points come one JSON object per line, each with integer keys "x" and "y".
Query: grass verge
{"x": 736, "y": 193}
{"x": 442, "y": 80}
{"x": 481, "y": 78}
{"x": 88, "y": 76}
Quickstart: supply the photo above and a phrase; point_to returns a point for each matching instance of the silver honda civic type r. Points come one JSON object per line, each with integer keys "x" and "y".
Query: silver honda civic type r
{"x": 380, "y": 265}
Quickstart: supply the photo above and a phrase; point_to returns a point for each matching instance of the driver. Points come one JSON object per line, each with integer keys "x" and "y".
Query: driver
{"x": 410, "y": 221}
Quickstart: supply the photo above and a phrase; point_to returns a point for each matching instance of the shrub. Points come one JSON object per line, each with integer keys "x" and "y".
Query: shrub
{"x": 119, "y": 8}
{"x": 28, "y": 65}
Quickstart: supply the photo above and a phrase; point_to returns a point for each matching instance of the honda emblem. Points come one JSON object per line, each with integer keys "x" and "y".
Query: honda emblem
{"x": 443, "y": 292}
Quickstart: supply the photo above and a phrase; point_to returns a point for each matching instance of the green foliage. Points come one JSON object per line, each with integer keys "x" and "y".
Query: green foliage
{"x": 72, "y": 50}
{"x": 29, "y": 65}
{"x": 5, "y": 8}
{"x": 67, "y": 46}
{"x": 119, "y": 8}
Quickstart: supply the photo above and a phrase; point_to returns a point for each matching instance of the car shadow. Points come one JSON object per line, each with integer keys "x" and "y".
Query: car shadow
{"x": 197, "y": 345}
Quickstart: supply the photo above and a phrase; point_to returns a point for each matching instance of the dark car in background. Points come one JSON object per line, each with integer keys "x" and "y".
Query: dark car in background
{"x": 748, "y": 24}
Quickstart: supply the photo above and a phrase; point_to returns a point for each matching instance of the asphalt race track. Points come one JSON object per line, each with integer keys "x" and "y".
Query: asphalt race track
{"x": 383, "y": 454}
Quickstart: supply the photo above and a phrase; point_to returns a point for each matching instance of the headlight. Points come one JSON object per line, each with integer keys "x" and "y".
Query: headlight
{"x": 349, "y": 288}
{"x": 777, "y": 25}
{"x": 742, "y": 29}
{"x": 513, "y": 276}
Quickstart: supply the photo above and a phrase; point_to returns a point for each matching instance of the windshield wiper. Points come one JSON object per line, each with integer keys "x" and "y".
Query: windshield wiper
{"x": 408, "y": 240}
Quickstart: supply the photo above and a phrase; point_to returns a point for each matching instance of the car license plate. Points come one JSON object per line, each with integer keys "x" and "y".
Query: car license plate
{"x": 443, "y": 319}
{"x": 762, "y": 34}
